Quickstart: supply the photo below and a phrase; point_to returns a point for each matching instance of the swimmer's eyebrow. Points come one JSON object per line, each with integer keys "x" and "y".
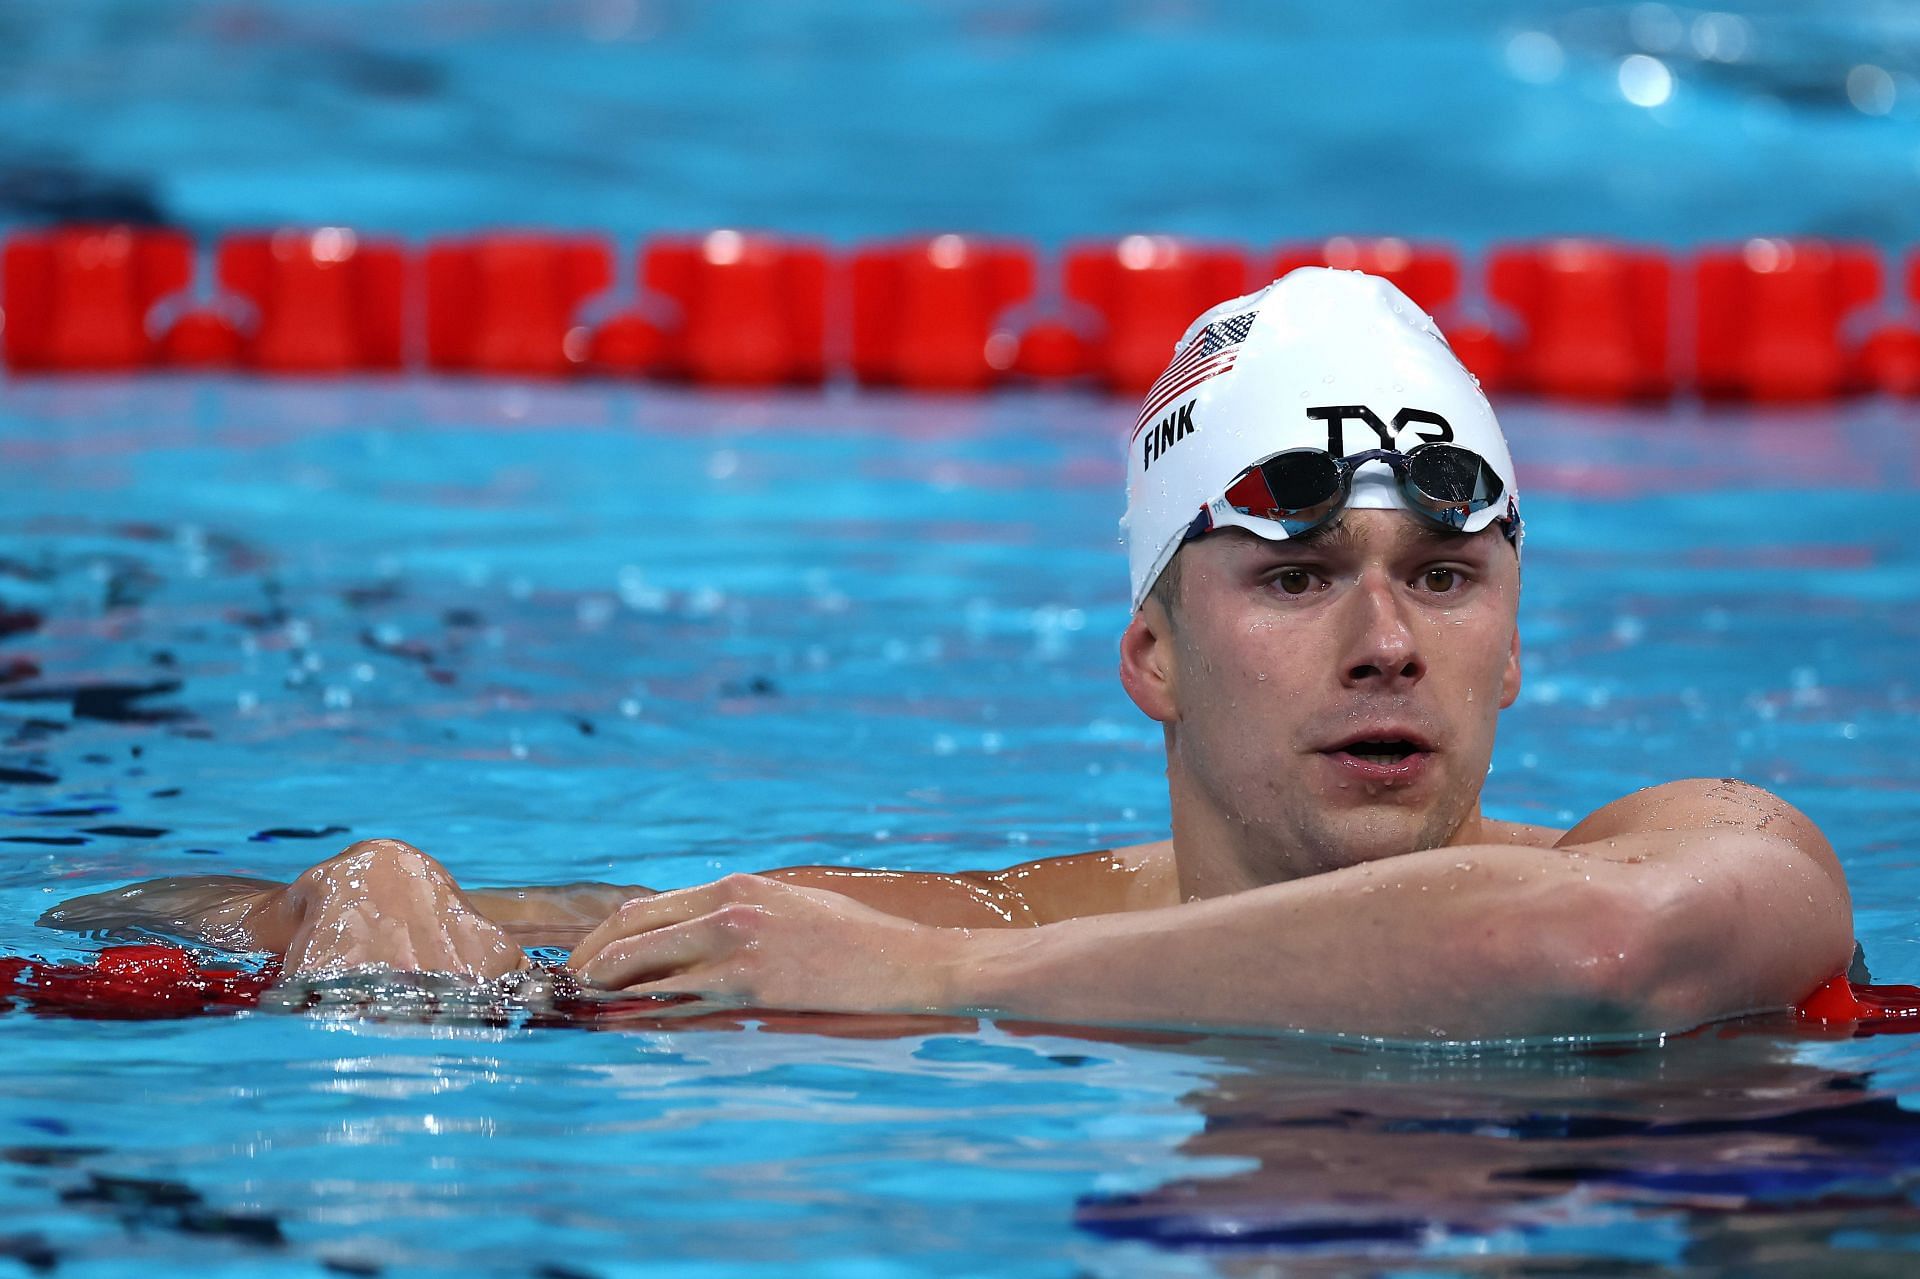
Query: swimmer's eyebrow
{"x": 1337, "y": 537}
{"x": 1448, "y": 538}
{"x": 1334, "y": 537}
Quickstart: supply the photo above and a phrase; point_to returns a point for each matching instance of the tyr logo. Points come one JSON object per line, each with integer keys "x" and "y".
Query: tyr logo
{"x": 1426, "y": 426}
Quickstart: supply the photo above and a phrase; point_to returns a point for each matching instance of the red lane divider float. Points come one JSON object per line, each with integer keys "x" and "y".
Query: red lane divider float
{"x": 751, "y": 309}
{"x": 509, "y": 303}
{"x": 930, "y": 314}
{"x": 325, "y": 301}
{"x": 1146, "y": 289}
{"x": 1771, "y": 315}
{"x": 131, "y": 983}
{"x": 1593, "y": 319}
{"x": 77, "y": 299}
{"x": 1767, "y": 320}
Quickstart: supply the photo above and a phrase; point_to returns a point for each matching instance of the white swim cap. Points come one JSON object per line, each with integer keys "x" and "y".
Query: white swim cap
{"x": 1319, "y": 359}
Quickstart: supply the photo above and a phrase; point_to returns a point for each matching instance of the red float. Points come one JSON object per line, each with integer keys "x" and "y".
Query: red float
{"x": 1889, "y": 360}
{"x": 1596, "y": 318}
{"x": 201, "y": 340}
{"x": 1427, "y": 273}
{"x": 1863, "y": 1009}
{"x": 78, "y": 298}
{"x": 752, "y": 309}
{"x": 1889, "y": 357}
{"x": 1147, "y": 289}
{"x": 927, "y": 314}
{"x": 1578, "y": 319}
{"x": 1052, "y": 351}
{"x": 627, "y": 345}
{"x": 510, "y": 303}
{"x": 325, "y": 300}
{"x": 131, "y": 983}
{"x": 1770, "y": 314}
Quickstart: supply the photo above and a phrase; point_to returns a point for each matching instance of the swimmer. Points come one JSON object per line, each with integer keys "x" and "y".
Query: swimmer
{"x": 1324, "y": 538}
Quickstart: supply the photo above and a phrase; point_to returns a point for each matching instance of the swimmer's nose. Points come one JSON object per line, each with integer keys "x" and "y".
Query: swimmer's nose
{"x": 1381, "y": 651}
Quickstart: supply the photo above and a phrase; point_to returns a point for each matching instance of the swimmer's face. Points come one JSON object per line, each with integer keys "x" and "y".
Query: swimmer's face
{"x": 1333, "y": 696}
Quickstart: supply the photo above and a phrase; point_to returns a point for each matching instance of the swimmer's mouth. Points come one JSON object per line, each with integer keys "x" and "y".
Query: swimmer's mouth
{"x": 1383, "y": 749}
{"x": 1380, "y": 752}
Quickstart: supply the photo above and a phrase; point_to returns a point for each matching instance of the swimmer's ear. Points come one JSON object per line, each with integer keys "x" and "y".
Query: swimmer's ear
{"x": 1510, "y": 678}
{"x": 1146, "y": 661}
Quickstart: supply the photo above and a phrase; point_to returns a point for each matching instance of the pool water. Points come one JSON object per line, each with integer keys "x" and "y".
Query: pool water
{"x": 1052, "y": 120}
{"x": 643, "y": 635}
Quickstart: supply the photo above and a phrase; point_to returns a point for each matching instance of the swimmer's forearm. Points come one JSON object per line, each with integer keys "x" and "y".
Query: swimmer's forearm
{"x": 244, "y": 914}
{"x": 552, "y": 915}
{"x": 1474, "y": 942}
{"x": 229, "y": 911}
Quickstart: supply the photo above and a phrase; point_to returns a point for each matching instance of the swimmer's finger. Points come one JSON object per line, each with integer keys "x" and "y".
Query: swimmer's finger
{"x": 660, "y": 955}
{"x": 663, "y": 910}
{"x": 640, "y": 916}
{"x": 713, "y": 988}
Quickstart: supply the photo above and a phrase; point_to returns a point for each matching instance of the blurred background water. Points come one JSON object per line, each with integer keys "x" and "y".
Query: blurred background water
{"x": 1229, "y": 118}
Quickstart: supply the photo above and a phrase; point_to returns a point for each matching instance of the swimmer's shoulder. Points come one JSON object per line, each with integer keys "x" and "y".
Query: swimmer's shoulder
{"x": 1103, "y": 882}
{"x": 1709, "y": 803}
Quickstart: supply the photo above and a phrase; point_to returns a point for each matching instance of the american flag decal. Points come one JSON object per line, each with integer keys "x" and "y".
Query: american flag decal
{"x": 1211, "y": 353}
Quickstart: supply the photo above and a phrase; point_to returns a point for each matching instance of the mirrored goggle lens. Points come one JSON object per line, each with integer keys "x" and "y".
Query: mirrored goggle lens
{"x": 1302, "y": 486}
{"x": 1302, "y": 479}
{"x": 1446, "y": 475}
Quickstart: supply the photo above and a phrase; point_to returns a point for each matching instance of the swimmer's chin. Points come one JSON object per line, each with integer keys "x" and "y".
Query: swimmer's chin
{"x": 1371, "y": 847}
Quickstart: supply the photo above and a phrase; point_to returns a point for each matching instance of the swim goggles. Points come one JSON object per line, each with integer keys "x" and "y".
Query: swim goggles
{"x": 1301, "y": 489}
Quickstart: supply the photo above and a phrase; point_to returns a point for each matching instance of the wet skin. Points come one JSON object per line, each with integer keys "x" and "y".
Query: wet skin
{"x": 1329, "y": 706}
{"x": 1280, "y": 657}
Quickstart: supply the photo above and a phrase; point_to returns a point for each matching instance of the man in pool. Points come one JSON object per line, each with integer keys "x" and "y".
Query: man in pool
{"x": 1324, "y": 535}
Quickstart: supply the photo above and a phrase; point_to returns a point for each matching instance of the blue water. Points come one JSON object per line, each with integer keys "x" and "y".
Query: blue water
{"x": 1249, "y": 119}
{"x": 650, "y": 636}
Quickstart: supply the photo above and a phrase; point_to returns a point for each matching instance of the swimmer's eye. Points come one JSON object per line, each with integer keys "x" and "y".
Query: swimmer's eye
{"x": 1293, "y": 581}
{"x": 1442, "y": 581}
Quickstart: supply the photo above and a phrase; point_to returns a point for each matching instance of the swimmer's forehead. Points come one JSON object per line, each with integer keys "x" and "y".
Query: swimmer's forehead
{"x": 1387, "y": 531}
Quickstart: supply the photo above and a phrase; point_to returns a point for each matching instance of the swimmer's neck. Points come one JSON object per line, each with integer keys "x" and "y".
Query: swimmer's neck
{"x": 1214, "y": 854}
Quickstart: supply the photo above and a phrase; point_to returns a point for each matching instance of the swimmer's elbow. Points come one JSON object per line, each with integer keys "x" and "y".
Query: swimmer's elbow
{"x": 1601, "y": 965}
{"x": 1676, "y": 952}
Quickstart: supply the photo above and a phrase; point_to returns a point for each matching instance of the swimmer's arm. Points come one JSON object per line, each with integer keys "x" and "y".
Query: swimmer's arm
{"x": 555, "y": 914}
{"x": 1036, "y": 892}
{"x": 1031, "y": 893}
{"x": 1668, "y": 909}
{"x": 1681, "y": 905}
{"x": 245, "y": 914}
{"x": 232, "y": 912}
{"x": 237, "y": 913}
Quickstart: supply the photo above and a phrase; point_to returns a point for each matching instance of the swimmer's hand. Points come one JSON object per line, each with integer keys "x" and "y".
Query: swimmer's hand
{"x": 383, "y": 903}
{"x": 750, "y": 940}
